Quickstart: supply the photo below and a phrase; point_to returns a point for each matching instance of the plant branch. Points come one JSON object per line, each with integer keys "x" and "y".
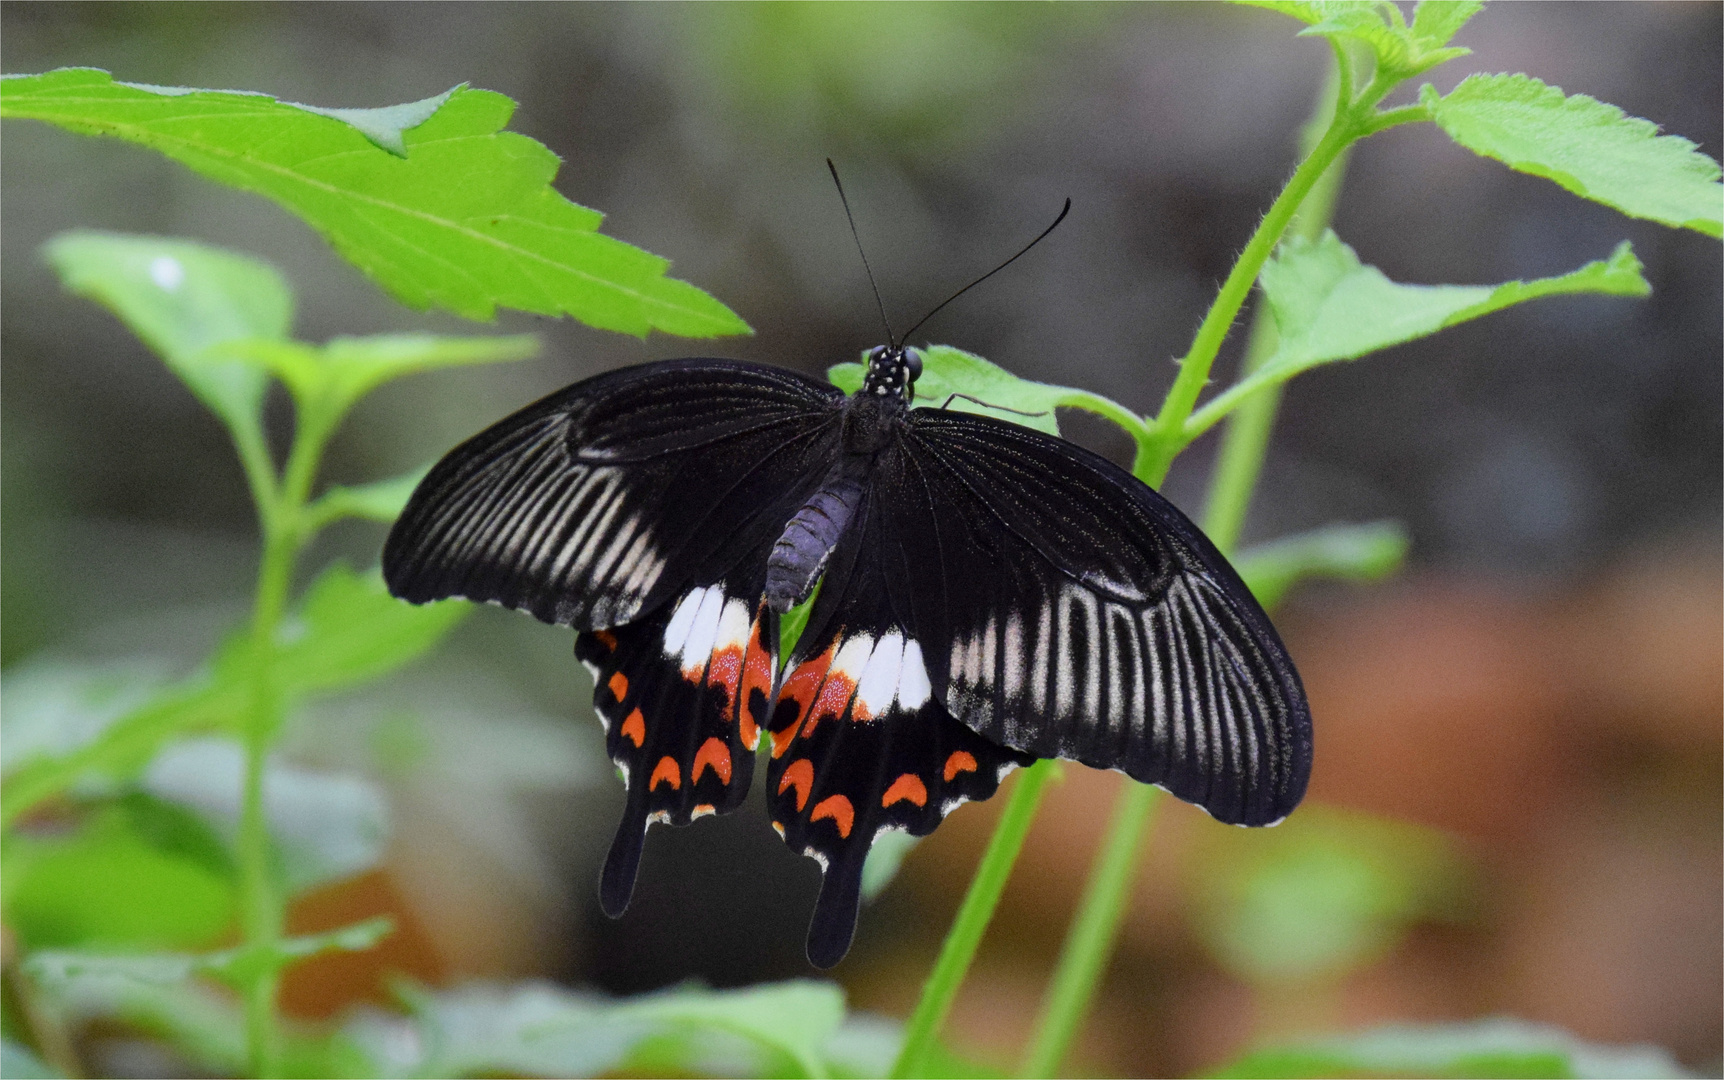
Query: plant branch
{"x": 972, "y": 919}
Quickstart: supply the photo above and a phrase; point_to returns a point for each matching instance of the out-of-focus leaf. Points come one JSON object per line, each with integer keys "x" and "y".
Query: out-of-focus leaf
{"x": 535, "y": 1029}
{"x": 381, "y": 500}
{"x": 797, "y": 1017}
{"x": 182, "y": 298}
{"x": 884, "y": 859}
{"x": 1438, "y": 21}
{"x": 947, "y": 371}
{"x": 202, "y": 1022}
{"x": 350, "y": 630}
{"x": 793, "y": 622}
{"x": 1324, "y": 892}
{"x": 133, "y": 874}
{"x": 1328, "y": 307}
{"x": 327, "y": 381}
{"x": 1350, "y": 552}
{"x": 327, "y": 826}
{"x": 53, "y": 707}
{"x": 1589, "y": 147}
{"x": 465, "y": 220}
{"x": 1497, "y": 1047}
{"x": 19, "y": 1062}
{"x": 59, "y": 966}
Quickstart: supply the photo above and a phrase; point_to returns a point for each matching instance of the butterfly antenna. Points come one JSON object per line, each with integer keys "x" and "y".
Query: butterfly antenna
{"x": 881, "y": 304}
{"x": 1066, "y": 210}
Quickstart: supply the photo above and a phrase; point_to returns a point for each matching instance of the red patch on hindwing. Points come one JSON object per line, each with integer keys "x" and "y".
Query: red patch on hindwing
{"x": 799, "y": 775}
{"x": 634, "y": 729}
{"x": 666, "y": 772}
{"x": 961, "y": 761}
{"x": 619, "y": 685}
{"x": 757, "y": 675}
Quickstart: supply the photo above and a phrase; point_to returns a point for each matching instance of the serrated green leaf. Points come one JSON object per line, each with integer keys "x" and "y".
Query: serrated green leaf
{"x": 380, "y": 500}
{"x": 1496, "y": 1047}
{"x": 1311, "y": 12}
{"x": 1589, "y": 147}
{"x": 947, "y": 372}
{"x": 797, "y": 1017}
{"x": 350, "y": 630}
{"x": 467, "y": 220}
{"x": 1328, "y": 307}
{"x": 182, "y": 299}
{"x": 1350, "y": 552}
{"x": 1436, "y": 22}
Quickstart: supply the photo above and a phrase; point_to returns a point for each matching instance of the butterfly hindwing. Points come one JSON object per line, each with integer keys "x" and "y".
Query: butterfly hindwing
{"x": 860, "y": 744}
{"x": 596, "y": 505}
{"x": 673, "y": 692}
{"x": 1066, "y": 609}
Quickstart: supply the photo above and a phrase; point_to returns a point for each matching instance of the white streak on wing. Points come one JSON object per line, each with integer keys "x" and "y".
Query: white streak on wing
{"x": 852, "y": 658}
{"x": 955, "y": 669}
{"x": 602, "y": 569}
{"x": 913, "y": 688}
{"x": 817, "y": 857}
{"x": 879, "y": 681}
{"x": 697, "y": 650}
{"x": 1157, "y": 685}
{"x": 676, "y": 633}
{"x": 601, "y": 528}
{"x": 658, "y": 817}
{"x": 702, "y": 811}
{"x": 1125, "y": 710}
{"x": 1004, "y": 771}
{"x": 623, "y": 767}
{"x": 1013, "y": 650}
{"x": 592, "y": 669}
{"x": 1065, "y": 687}
{"x": 1043, "y": 656}
{"x": 989, "y": 651}
{"x": 1092, "y": 654}
{"x": 611, "y": 483}
{"x": 952, "y": 804}
{"x": 637, "y": 550}
{"x": 732, "y": 627}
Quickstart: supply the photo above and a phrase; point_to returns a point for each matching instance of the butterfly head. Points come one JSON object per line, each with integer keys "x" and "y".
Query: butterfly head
{"x": 892, "y": 372}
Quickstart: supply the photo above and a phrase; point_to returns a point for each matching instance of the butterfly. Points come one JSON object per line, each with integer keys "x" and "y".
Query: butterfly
{"x": 987, "y": 595}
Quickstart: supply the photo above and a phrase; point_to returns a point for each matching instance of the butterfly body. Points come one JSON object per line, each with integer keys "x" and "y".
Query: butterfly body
{"x": 988, "y": 595}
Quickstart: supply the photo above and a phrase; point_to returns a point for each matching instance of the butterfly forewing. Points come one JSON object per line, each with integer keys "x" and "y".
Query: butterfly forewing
{"x": 597, "y": 504}
{"x": 1067, "y": 610}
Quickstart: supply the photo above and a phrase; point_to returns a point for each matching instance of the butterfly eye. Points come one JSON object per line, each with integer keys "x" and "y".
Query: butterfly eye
{"x": 913, "y": 360}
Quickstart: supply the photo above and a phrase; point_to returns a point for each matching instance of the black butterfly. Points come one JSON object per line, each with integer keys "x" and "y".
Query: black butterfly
{"x": 989, "y": 595}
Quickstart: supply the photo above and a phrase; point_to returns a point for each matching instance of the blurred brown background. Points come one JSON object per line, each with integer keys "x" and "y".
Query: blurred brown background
{"x": 1516, "y": 807}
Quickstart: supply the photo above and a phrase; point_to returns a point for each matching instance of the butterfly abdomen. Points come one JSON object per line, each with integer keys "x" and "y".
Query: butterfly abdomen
{"x": 812, "y": 532}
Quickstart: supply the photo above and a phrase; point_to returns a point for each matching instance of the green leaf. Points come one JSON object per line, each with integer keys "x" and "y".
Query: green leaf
{"x": 1328, "y": 306}
{"x": 325, "y": 382}
{"x": 797, "y": 1017}
{"x": 350, "y": 630}
{"x": 326, "y": 826}
{"x": 1350, "y": 552}
{"x": 1436, "y": 22}
{"x": 1589, "y": 147}
{"x": 133, "y": 874}
{"x": 63, "y": 965}
{"x": 884, "y": 859}
{"x": 54, "y": 706}
{"x": 1496, "y": 1047}
{"x": 1324, "y": 893}
{"x": 467, "y": 220}
{"x": 182, "y": 298}
{"x": 380, "y": 500}
{"x": 947, "y": 371}
{"x": 793, "y": 622}
{"x": 1400, "y": 51}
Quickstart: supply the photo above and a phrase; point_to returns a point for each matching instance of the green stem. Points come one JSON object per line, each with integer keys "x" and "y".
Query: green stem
{"x": 972, "y": 920}
{"x": 1095, "y": 927}
{"x": 262, "y": 906}
{"x": 1089, "y": 942}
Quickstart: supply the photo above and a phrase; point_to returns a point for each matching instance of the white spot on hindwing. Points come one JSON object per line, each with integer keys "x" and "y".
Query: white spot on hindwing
{"x": 913, "y": 688}
{"x": 879, "y": 682}
{"x": 697, "y": 650}
{"x": 676, "y": 632}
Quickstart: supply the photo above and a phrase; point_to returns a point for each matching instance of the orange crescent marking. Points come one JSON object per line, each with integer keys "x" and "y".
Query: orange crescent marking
{"x": 838, "y": 808}
{"x": 712, "y": 752}
{"x": 634, "y": 728}
{"x": 962, "y": 761}
{"x": 908, "y": 786}
{"x": 619, "y": 685}
{"x": 607, "y": 639}
{"x": 800, "y": 775}
{"x": 667, "y": 771}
